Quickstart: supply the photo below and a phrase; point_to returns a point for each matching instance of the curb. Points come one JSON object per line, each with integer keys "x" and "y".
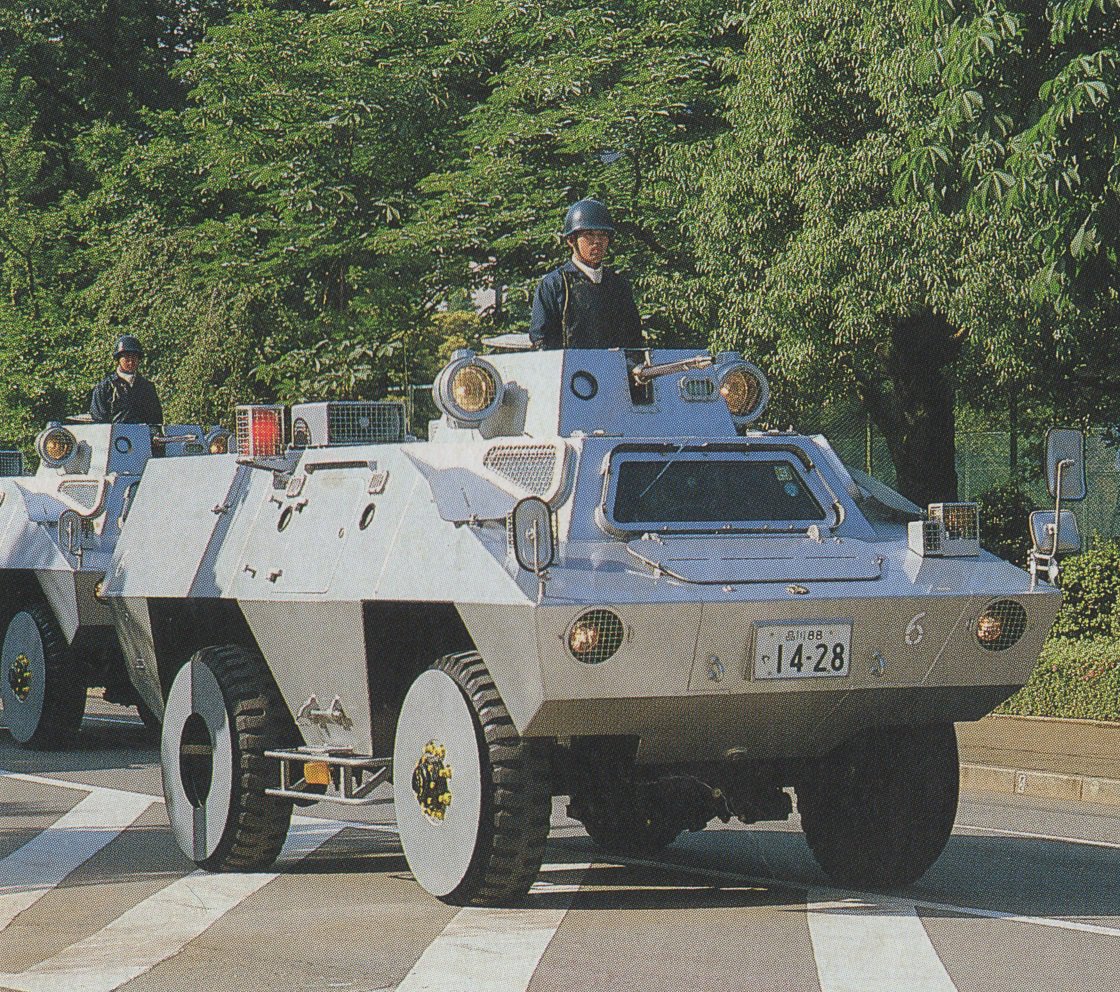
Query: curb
{"x": 1040, "y": 784}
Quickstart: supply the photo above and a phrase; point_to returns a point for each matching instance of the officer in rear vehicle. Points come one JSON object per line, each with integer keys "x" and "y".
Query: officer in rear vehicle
{"x": 584, "y": 304}
{"x": 125, "y": 396}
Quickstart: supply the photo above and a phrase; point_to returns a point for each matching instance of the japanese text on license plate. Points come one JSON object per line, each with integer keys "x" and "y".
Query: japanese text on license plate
{"x": 802, "y": 650}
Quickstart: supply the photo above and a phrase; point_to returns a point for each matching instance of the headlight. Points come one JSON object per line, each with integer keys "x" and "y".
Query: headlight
{"x": 595, "y": 636}
{"x": 468, "y": 389}
{"x": 1001, "y": 625}
{"x": 56, "y": 445}
{"x": 473, "y": 388}
{"x": 744, "y": 389}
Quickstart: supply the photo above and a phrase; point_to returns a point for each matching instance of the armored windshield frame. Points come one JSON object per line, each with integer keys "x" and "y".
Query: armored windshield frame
{"x": 801, "y": 467}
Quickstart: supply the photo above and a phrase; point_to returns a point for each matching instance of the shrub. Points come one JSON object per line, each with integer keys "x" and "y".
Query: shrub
{"x": 1073, "y": 679}
{"x": 1090, "y": 593}
{"x": 1004, "y": 512}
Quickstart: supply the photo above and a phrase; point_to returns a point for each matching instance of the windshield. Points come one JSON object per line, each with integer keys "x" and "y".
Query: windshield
{"x": 727, "y": 489}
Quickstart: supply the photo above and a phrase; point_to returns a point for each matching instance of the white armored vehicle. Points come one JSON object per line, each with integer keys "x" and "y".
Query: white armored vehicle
{"x": 594, "y": 580}
{"x": 58, "y": 529}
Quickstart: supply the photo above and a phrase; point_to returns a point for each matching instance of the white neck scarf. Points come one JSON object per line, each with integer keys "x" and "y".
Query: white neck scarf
{"x": 595, "y": 275}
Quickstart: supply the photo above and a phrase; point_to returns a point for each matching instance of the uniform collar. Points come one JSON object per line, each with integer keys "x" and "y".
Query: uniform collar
{"x": 595, "y": 275}
{"x": 130, "y": 379}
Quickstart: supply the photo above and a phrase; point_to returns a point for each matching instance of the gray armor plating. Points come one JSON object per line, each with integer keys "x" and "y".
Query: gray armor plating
{"x": 308, "y": 551}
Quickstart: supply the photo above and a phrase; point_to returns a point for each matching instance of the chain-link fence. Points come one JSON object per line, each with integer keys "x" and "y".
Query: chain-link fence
{"x": 985, "y": 459}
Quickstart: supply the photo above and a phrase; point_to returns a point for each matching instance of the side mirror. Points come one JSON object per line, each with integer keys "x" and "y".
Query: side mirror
{"x": 1065, "y": 463}
{"x": 531, "y": 534}
{"x": 1054, "y": 536}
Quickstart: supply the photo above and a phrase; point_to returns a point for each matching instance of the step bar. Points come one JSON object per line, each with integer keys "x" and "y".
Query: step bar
{"x": 353, "y": 777}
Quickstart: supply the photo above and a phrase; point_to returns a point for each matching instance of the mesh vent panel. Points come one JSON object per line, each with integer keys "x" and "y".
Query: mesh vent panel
{"x": 530, "y": 466}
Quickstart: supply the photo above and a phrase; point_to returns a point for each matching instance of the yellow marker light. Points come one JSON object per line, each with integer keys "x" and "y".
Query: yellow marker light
{"x": 473, "y": 388}
{"x": 56, "y": 446}
{"x": 989, "y": 628}
{"x": 316, "y": 773}
{"x": 740, "y": 392}
{"x": 584, "y": 638}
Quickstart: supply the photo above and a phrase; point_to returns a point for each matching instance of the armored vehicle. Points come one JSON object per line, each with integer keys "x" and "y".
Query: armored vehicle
{"x": 58, "y": 528}
{"x": 593, "y": 580}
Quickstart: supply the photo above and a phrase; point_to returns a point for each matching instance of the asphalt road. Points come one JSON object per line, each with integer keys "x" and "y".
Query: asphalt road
{"x": 94, "y": 895}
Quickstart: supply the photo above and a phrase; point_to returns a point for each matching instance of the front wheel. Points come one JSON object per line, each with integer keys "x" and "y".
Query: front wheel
{"x": 42, "y": 686}
{"x": 472, "y": 797}
{"x": 878, "y": 811}
{"x": 223, "y": 712}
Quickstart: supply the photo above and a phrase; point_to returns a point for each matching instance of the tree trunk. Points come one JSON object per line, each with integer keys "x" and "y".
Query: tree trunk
{"x": 914, "y": 409}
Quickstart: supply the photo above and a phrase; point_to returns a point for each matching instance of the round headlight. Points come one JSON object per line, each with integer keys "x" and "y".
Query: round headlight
{"x": 473, "y": 388}
{"x": 595, "y": 636}
{"x": 468, "y": 389}
{"x": 745, "y": 391}
{"x": 1001, "y": 625}
{"x": 56, "y": 446}
{"x": 218, "y": 444}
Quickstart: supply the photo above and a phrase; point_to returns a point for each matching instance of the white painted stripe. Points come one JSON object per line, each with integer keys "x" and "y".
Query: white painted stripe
{"x": 29, "y": 873}
{"x": 62, "y": 783}
{"x": 1113, "y": 845}
{"x": 793, "y": 885}
{"x": 160, "y": 926}
{"x": 493, "y": 950}
{"x": 872, "y": 945}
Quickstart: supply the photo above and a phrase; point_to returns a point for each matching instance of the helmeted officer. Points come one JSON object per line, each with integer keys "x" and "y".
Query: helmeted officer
{"x": 583, "y": 304}
{"x": 125, "y": 396}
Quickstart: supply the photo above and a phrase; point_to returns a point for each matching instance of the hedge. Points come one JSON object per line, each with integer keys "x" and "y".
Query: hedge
{"x": 1077, "y": 679}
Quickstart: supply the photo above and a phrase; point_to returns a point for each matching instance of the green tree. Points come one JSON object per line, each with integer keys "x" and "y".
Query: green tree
{"x": 563, "y": 101}
{"x": 1024, "y": 137}
{"x": 303, "y": 138}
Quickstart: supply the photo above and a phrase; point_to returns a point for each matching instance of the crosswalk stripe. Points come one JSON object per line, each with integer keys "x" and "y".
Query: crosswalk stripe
{"x": 31, "y": 871}
{"x": 872, "y": 945}
{"x": 160, "y": 926}
{"x": 464, "y": 958}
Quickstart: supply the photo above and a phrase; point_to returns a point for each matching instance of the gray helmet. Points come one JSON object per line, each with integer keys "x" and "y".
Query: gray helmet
{"x": 587, "y": 215}
{"x": 128, "y": 345}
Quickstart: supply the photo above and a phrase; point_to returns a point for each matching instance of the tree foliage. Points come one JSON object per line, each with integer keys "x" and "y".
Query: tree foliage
{"x": 894, "y": 203}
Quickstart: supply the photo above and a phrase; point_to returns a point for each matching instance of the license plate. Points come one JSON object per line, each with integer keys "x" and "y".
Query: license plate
{"x": 802, "y": 650}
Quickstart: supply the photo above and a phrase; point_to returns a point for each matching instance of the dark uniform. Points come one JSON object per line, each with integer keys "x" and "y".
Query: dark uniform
{"x": 116, "y": 401}
{"x": 571, "y": 311}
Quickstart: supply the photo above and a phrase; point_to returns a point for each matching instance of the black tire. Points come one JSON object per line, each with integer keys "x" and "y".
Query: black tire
{"x": 223, "y": 712}
{"x": 878, "y": 811}
{"x": 42, "y": 686}
{"x": 485, "y": 847}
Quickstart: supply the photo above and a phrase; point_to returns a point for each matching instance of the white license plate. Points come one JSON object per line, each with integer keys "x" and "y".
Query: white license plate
{"x": 802, "y": 650}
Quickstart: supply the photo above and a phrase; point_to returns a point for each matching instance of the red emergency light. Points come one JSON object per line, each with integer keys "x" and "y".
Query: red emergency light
{"x": 260, "y": 431}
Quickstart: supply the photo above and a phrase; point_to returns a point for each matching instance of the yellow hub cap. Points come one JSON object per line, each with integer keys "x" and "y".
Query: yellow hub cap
{"x": 19, "y": 677}
{"x": 431, "y": 781}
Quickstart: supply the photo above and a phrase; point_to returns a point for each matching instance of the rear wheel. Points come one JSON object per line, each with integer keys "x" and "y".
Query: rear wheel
{"x": 42, "y": 686}
{"x": 878, "y": 811}
{"x": 223, "y": 712}
{"x": 472, "y": 797}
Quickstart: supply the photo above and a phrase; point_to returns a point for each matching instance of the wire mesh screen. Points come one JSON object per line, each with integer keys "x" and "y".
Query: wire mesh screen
{"x": 365, "y": 423}
{"x": 960, "y": 519}
{"x": 1001, "y": 625}
{"x": 11, "y": 463}
{"x": 86, "y": 493}
{"x": 530, "y": 466}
